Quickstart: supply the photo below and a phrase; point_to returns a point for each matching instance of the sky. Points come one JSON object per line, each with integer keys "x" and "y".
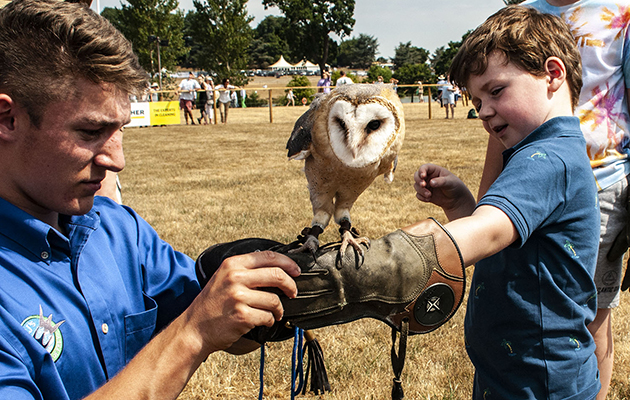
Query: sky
{"x": 429, "y": 24}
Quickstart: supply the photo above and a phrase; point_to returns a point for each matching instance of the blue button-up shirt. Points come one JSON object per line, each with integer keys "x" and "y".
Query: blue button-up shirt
{"x": 74, "y": 310}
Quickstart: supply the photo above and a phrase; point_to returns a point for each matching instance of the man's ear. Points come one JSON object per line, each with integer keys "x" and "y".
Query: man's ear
{"x": 556, "y": 73}
{"x": 7, "y": 116}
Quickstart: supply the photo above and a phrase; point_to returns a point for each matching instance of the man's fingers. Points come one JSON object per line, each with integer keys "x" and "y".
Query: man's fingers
{"x": 264, "y": 269}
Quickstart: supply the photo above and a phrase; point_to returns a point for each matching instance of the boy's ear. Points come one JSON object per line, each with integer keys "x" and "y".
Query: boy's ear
{"x": 556, "y": 72}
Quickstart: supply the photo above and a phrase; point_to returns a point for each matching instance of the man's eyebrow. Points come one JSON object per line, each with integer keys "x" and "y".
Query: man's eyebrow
{"x": 102, "y": 123}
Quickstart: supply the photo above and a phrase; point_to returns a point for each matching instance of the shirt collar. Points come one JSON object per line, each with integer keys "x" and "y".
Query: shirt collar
{"x": 32, "y": 234}
{"x": 553, "y": 128}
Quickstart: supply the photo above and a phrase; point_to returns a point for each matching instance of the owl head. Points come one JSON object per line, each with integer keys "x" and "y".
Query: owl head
{"x": 363, "y": 122}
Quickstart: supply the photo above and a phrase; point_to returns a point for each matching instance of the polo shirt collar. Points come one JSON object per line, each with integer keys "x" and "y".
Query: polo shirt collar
{"x": 553, "y": 128}
{"x": 32, "y": 234}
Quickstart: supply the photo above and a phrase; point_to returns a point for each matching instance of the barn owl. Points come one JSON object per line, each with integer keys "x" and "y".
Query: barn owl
{"x": 347, "y": 138}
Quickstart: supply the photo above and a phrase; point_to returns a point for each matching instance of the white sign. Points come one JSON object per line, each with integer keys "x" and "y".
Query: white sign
{"x": 140, "y": 115}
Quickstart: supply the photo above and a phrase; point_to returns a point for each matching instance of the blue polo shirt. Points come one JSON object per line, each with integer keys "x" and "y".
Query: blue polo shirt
{"x": 74, "y": 310}
{"x": 530, "y": 304}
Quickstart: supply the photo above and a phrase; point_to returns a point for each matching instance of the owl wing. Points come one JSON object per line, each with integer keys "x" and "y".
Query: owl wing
{"x": 299, "y": 143}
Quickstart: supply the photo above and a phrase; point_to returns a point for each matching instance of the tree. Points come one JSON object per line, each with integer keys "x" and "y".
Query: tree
{"x": 221, "y": 28}
{"x": 442, "y": 58}
{"x": 375, "y": 71}
{"x": 358, "y": 52}
{"x": 410, "y": 74}
{"x": 140, "y": 19}
{"x": 269, "y": 42}
{"x": 299, "y": 81}
{"x": 405, "y": 53}
{"x": 312, "y": 22}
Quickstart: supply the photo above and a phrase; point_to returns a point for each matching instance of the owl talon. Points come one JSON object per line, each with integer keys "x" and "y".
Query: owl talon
{"x": 348, "y": 239}
{"x": 311, "y": 244}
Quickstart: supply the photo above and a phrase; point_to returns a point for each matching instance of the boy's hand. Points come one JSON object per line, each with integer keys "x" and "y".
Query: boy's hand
{"x": 437, "y": 185}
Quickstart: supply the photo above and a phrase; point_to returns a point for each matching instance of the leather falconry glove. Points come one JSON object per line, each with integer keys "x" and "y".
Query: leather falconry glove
{"x": 415, "y": 280}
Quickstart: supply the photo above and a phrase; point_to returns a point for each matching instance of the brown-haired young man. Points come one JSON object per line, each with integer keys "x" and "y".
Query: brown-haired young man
{"x": 92, "y": 302}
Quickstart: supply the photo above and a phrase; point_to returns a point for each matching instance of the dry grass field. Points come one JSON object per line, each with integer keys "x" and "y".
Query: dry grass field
{"x": 198, "y": 185}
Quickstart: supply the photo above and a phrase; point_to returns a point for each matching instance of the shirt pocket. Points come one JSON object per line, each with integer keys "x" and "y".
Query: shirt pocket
{"x": 139, "y": 328}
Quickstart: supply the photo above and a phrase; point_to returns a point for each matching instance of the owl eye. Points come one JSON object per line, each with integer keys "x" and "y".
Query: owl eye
{"x": 341, "y": 124}
{"x": 373, "y": 125}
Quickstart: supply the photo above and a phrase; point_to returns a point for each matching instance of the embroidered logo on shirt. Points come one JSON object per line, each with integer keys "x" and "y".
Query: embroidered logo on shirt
{"x": 571, "y": 249}
{"x": 46, "y": 332}
{"x": 508, "y": 346}
{"x": 538, "y": 154}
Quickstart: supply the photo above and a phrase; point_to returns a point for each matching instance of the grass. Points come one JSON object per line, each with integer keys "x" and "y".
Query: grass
{"x": 199, "y": 185}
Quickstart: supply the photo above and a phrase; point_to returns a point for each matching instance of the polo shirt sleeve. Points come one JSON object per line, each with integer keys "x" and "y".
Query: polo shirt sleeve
{"x": 530, "y": 190}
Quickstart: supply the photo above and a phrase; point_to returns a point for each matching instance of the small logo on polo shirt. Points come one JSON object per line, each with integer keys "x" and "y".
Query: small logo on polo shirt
{"x": 46, "y": 332}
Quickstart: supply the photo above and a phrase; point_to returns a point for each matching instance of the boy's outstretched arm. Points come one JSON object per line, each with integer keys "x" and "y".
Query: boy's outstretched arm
{"x": 484, "y": 233}
{"x": 437, "y": 185}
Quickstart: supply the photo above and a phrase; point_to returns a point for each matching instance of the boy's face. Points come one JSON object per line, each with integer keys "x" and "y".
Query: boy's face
{"x": 510, "y": 102}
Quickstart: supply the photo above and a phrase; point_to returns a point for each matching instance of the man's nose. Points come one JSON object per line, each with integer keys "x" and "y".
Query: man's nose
{"x": 111, "y": 155}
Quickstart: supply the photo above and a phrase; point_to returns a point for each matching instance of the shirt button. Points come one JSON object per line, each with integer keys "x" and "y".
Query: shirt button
{"x": 45, "y": 255}
{"x": 105, "y": 328}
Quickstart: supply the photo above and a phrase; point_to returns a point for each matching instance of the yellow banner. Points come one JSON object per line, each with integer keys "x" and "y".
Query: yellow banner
{"x": 165, "y": 113}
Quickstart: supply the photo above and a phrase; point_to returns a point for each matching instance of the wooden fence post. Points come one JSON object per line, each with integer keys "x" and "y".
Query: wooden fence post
{"x": 270, "y": 109}
{"x": 215, "y": 97}
{"x": 429, "y": 101}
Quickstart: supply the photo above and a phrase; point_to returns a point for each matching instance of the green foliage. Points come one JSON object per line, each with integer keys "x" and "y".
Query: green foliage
{"x": 311, "y": 24}
{"x": 375, "y": 71}
{"x": 269, "y": 42}
{"x": 405, "y": 53}
{"x": 254, "y": 100}
{"x": 139, "y": 19}
{"x": 410, "y": 74}
{"x": 221, "y": 28}
{"x": 297, "y": 82}
{"x": 358, "y": 52}
{"x": 443, "y": 56}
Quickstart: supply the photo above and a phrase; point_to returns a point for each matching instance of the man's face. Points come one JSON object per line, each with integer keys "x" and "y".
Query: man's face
{"x": 510, "y": 102}
{"x": 58, "y": 167}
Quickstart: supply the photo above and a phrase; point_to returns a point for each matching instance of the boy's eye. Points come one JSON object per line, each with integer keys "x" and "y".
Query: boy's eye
{"x": 477, "y": 106}
{"x": 496, "y": 91}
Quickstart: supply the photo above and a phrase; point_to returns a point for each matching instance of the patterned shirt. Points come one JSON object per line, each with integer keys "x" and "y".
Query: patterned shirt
{"x": 601, "y": 31}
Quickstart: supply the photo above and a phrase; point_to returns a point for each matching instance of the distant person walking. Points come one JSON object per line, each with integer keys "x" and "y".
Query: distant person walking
{"x": 290, "y": 98}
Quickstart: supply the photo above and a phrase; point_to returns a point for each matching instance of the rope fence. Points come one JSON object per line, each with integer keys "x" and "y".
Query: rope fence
{"x": 426, "y": 87}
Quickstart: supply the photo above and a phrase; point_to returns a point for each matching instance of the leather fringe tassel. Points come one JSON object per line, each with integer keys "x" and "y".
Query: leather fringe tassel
{"x": 315, "y": 363}
{"x": 398, "y": 360}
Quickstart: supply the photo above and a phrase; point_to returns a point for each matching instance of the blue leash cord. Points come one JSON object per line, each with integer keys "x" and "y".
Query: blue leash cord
{"x": 262, "y": 370}
{"x": 297, "y": 365}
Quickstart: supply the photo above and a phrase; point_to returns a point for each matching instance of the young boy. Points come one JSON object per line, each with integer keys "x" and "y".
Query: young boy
{"x": 534, "y": 234}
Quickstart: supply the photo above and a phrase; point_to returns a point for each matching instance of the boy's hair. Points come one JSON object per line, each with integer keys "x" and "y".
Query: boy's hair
{"x": 527, "y": 38}
{"x": 47, "y": 45}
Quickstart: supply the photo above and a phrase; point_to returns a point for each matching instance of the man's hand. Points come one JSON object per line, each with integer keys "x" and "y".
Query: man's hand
{"x": 231, "y": 303}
